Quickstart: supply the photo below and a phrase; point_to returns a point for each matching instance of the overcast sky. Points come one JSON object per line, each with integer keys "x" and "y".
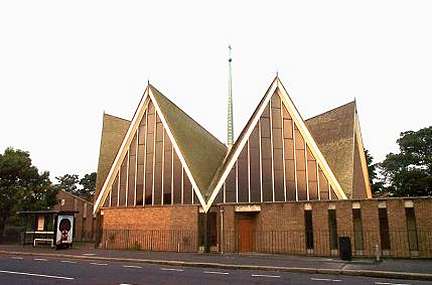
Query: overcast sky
{"x": 63, "y": 63}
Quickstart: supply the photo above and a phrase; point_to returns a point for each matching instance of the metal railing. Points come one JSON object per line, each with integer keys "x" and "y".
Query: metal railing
{"x": 150, "y": 240}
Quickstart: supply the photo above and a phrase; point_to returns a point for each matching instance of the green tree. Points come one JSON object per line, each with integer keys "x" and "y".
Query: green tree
{"x": 409, "y": 172}
{"x": 68, "y": 182}
{"x": 376, "y": 183}
{"x": 88, "y": 183}
{"x": 21, "y": 186}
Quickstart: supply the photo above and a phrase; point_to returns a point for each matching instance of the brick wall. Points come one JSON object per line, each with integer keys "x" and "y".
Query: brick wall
{"x": 163, "y": 228}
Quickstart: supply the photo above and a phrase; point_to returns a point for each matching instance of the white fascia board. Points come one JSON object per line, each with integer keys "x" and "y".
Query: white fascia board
{"x": 242, "y": 143}
{"x": 177, "y": 149}
{"x": 122, "y": 151}
{"x": 310, "y": 141}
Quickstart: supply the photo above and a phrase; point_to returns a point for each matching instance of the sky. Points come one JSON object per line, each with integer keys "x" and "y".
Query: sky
{"x": 64, "y": 63}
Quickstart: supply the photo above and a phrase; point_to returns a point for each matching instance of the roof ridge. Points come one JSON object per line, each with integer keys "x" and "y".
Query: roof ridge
{"x": 331, "y": 110}
{"x": 187, "y": 115}
{"x": 117, "y": 117}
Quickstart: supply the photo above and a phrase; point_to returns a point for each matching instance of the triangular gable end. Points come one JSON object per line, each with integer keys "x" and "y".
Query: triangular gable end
{"x": 238, "y": 156}
{"x": 129, "y": 155}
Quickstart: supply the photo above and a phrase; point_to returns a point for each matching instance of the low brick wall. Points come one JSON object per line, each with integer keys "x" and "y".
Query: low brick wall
{"x": 159, "y": 228}
{"x": 280, "y": 227}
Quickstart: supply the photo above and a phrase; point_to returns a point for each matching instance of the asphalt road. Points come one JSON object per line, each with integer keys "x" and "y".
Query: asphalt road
{"x": 39, "y": 270}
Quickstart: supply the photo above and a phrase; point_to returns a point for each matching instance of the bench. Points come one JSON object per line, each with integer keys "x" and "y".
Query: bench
{"x": 43, "y": 240}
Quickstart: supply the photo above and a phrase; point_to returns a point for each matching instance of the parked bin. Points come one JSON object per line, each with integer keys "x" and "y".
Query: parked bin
{"x": 345, "y": 248}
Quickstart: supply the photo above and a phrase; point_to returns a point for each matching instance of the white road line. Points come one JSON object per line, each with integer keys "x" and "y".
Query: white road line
{"x": 325, "y": 279}
{"x": 37, "y": 275}
{"x": 40, "y": 259}
{"x": 17, "y": 257}
{"x": 88, "y": 254}
{"x": 68, "y": 261}
{"x": 216, "y": 272}
{"x": 388, "y": 283}
{"x": 132, "y": 266}
{"x": 263, "y": 275}
{"x": 172, "y": 269}
{"x": 125, "y": 284}
{"x": 100, "y": 264}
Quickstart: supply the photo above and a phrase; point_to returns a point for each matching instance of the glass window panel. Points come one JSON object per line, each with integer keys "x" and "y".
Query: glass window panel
{"x": 114, "y": 193}
{"x": 300, "y": 160}
{"x": 187, "y": 189}
{"x": 323, "y": 185}
{"x": 230, "y": 186}
{"x": 131, "y": 187}
{"x": 276, "y": 119}
{"x": 143, "y": 120}
{"x": 123, "y": 181}
{"x": 243, "y": 175}
{"x": 333, "y": 194}
{"x": 177, "y": 169}
{"x": 299, "y": 142}
{"x": 167, "y": 171}
{"x": 266, "y": 112}
{"x": 255, "y": 182}
{"x": 301, "y": 185}
{"x": 140, "y": 185}
{"x": 313, "y": 190}
{"x": 285, "y": 113}
{"x": 267, "y": 183}
{"x": 277, "y": 139}
{"x": 312, "y": 171}
{"x": 289, "y": 148}
{"x": 275, "y": 101}
{"x": 291, "y": 192}
{"x": 266, "y": 148}
{"x": 265, "y": 127}
{"x": 287, "y": 129}
{"x": 107, "y": 200}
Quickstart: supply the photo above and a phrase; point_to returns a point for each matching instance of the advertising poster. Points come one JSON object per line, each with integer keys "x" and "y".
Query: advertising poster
{"x": 64, "y": 229}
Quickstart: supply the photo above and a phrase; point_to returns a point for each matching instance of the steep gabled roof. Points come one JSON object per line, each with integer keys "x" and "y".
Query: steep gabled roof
{"x": 336, "y": 132}
{"x": 232, "y": 156}
{"x": 202, "y": 152}
{"x": 113, "y": 132}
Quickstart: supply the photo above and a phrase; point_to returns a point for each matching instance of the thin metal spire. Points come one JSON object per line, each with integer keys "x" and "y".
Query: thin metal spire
{"x": 230, "y": 125}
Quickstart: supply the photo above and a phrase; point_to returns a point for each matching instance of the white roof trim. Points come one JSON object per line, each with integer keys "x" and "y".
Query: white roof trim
{"x": 177, "y": 149}
{"x": 122, "y": 152}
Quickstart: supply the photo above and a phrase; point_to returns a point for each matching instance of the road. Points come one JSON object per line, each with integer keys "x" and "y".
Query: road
{"x": 40, "y": 270}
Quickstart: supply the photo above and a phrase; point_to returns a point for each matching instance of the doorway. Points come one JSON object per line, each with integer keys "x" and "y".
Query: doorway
{"x": 246, "y": 230}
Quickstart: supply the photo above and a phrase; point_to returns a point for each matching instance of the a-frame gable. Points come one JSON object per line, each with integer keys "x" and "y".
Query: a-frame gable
{"x": 138, "y": 170}
{"x": 272, "y": 154}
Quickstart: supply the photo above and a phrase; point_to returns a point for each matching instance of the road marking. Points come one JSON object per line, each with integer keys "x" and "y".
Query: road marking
{"x": 172, "y": 269}
{"x": 99, "y": 264}
{"x": 216, "y": 272}
{"x": 37, "y": 275}
{"x": 388, "y": 283}
{"x": 125, "y": 284}
{"x": 40, "y": 259}
{"x": 132, "y": 266}
{"x": 263, "y": 275}
{"x": 17, "y": 257}
{"x": 326, "y": 279}
{"x": 68, "y": 261}
{"x": 89, "y": 254}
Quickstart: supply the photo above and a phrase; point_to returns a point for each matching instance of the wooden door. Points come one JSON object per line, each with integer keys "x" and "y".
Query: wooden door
{"x": 246, "y": 235}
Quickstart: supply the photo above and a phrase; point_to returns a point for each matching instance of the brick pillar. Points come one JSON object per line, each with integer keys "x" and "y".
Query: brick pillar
{"x": 423, "y": 213}
{"x": 320, "y": 228}
{"x": 370, "y": 224}
{"x": 398, "y": 228}
{"x": 229, "y": 229}
{"x": 344, "y": 221}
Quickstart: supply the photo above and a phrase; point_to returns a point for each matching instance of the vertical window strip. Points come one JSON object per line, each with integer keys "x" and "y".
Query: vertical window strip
{"x": 295, "y": 159}
{"x": 154, "y": 155}
{"x": 271, "y": 147}
{"x": 110, "y": 193}
{"x": 318, "y": 180}
{"x": 127, "y": 177}
{"x": 283, "y": 150}
{"x": 248, "y": 168}
{"x": 163, "y": 162}
{"x": 136, "y": 165}
{"x": 145, "y": 157}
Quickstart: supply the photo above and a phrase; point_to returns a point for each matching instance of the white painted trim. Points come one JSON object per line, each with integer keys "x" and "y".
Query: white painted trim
{"x": 260, "y": 159}
{"x": 318, "y": 180}
{"x": 182, "y": 187}
{"x": 237, "y": 182}
{"x": 310, "y": 141}
{"x": 362, "y": 155}
{"x": 118, "y": 186}
{"x": 224, "y": 193}
{"x": 163, "y": 162}
{"x": 110, "y": 193}
{"x": 177, "y": 149}
{"x": 241, "y": 144}
{"x": 122, "y": 151}
{"x": 272, "y": 149}
{"x": 306, "y": 171}
{"x": 172, "y": 176}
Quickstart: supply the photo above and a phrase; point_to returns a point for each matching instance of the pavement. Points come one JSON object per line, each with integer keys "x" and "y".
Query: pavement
{"x": 407, "y": 269}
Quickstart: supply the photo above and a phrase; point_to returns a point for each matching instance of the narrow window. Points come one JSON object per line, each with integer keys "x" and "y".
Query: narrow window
{"x": 412, "y": 228}
{"x": 309, "y": 230}
{"x": 358, "y": 229}
{"x": 332, "y": 229}
{"x": 384, "y": 229}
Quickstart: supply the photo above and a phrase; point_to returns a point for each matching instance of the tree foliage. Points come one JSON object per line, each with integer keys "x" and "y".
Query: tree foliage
{"x": 84, "y": 187}
{"x": 21, "y": 186}
{"x": 409, "y": 172}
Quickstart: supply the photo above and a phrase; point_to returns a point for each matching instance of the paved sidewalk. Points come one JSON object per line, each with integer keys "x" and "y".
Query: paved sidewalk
{"x": 392, "y": 268}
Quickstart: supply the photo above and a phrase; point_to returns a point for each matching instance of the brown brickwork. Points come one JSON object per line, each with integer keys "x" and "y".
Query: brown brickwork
{"x": 423, "y": 212}
{"x": 398, "y": 228}
{"x": 370, "y": 223}
{"x": 158, "y": 228}
{"x": 321, "y": 229}
{"x": 84, "y": 222}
